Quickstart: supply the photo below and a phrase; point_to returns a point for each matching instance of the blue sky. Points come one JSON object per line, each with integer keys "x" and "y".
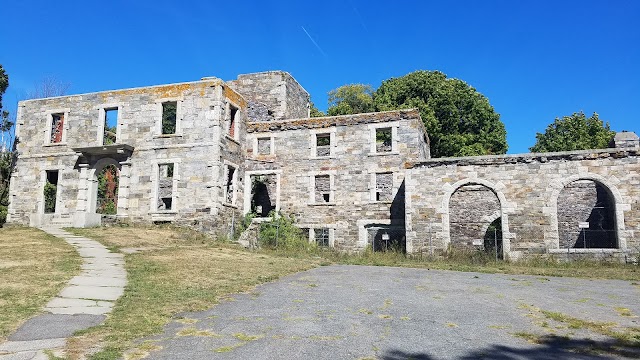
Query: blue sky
{"x": 534, "y": 60}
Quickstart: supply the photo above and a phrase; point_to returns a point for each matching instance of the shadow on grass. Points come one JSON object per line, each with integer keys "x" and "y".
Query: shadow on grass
{"x": 549, "y": 348}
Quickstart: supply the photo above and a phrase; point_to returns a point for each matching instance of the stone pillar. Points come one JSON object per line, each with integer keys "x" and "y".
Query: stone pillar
{"x": 123, "y": 189}
{"x": 83, "y": 189}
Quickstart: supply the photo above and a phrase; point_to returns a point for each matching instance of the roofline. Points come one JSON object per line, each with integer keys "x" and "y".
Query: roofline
{"x": 203, "y": 80}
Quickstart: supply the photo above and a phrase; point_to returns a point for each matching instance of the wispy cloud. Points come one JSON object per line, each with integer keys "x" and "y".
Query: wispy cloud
{"x": 314, "y": 42}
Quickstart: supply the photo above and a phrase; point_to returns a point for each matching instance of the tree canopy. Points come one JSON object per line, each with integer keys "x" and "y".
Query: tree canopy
{"x": 459, "y": 120}
{"x": 574, "y": 132}
{"x": 313, "y": 111}
{"x": 4, "y": 83}
{"x": 351, "y": 99}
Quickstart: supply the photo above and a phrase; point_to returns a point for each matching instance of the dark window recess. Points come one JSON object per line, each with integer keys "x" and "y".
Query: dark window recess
{"x": 323, "y": 189}
{"x": 322, "y": 237}
{"x": 57, "y": 128}
{"x": 263, "y": 194}
{"x": 229, "y": 185}
{"x": 323, "y": 144}
{"x": 233, "y": 114}
{"x": 165, "y": 187}
{"x": 169, "y": 117}
{"x": 383, "y": 140}
{"x": 110, "y": 126}
{"x": 50, "y": 191}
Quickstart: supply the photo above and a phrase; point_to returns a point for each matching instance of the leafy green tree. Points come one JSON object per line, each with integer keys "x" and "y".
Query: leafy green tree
{"x": 574, "y": 132}
{"x": 314, "y": 112}
{"x": 7, "y": 157}
{"x": 459, "y": 120}
{"x": 351, "y": 99}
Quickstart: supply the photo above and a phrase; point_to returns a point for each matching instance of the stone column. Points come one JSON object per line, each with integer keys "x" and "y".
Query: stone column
{"x": 123, "y": 189}
{"x": 83, "y": 189}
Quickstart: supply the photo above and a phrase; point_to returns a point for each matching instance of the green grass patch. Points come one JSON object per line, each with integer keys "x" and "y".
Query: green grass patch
{"x": 35, "y": 266}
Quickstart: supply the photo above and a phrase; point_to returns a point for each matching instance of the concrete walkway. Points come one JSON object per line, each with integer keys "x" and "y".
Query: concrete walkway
{"x": 82, "y": 304}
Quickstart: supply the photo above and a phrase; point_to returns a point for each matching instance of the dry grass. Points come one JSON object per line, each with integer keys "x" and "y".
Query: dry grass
{"x": 178, "y": 271}
{"x": 34, "y": 267}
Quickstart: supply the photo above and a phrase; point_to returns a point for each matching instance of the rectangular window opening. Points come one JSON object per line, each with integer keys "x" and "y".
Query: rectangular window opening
{"x": 322, "y": 237}
{"x": 323, "y": 189}
{"x": 323, "y": 144}
{"x": 264, "y": 146}
{"x": 169, "y": 117}
{"x": 57, "y": 128}
{"x": 383, "y": 140}
{"x": 165, "y": 187}
{"x": 110, "y": 126}
{"x": 233, "y": 113}
{"x": 384, "y": 186}
{"x": 229, "y": 186}
{"x": 50, "y": 191}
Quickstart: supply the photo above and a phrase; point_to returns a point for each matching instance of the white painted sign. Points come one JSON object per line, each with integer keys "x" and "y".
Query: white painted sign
{"x": 583, "y": 225}
{"x": 477, "y": 242}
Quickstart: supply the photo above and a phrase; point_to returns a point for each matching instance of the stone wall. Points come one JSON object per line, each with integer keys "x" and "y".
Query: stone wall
{"x": 528, "y": 188}
{"x": 349, "y": 171}
{"x": 198, "y": 149}
{"x": 283, "y": 97}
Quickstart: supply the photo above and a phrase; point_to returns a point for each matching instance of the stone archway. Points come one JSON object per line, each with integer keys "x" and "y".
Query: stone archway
{"x": 483, "y": 220}
{"x": 586, "y": 216}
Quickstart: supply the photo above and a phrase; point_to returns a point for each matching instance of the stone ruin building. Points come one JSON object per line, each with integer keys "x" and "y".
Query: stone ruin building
{"x": 205, "y": 153}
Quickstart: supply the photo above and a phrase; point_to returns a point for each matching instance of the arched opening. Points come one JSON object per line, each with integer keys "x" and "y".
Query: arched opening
{"x": 475, "y": 221}
{"x": 107, "y": 190}
{"x": 586, "y": 216}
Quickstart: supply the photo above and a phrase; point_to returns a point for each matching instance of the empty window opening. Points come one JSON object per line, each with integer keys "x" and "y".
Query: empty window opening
{"x": 323, "y": 189}
{"x": 263, "y": 194}
{"x": 321, "y": 236}
{"x": 110, "y": 126}
{"x": 169, "y": 117}
{"x": 107, "y": 199}
{"x": 165, "y": 187}
{"x": 264, "y": 146}
{"x": 233, "y": 114}
{"x": 323, "y": 144}
{"x": 383, "y": 140}
{"x": 50, "y": 191}
{"x": 493, "y": 239}
{"x": 384, "y": 238}
{"x": 57, "y": 128}
{"x": 586, "y": 216}
{"x": 384, "y": 187}
{"x": 229, "y": 186}
{"x": 473, "y": 210}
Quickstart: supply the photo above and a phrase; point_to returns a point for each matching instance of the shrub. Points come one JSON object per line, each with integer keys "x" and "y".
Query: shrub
{"x": 281, "y": 233}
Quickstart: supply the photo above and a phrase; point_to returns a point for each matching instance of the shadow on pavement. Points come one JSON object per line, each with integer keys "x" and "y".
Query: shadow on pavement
{"x": 550, "y": 348}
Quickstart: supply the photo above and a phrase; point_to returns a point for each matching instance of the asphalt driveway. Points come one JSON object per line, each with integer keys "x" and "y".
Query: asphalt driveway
{"x": 365, "y": 312}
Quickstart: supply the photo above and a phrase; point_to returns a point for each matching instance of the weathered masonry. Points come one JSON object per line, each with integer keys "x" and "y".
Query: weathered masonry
{"x": 567, "y": 204}
{"x": 206, "y": 153}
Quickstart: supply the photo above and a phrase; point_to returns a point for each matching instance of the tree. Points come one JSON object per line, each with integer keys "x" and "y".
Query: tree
{"x": 314, "y": 112}
{"x": 49, "y": 86}
{"x": 351, "y": 99}
{"x": 459, "y": 120}
{"x": 7, "y": 154}
{"x": 574, "y": 132}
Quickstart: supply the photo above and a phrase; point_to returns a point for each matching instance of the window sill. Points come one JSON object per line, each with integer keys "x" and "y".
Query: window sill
{"x": 230, "y": 205}
{"x": 322, "y": 157}
{"x": 323, "y": 204}
{"x": 381, "y": 202}
{"x": 231, "y": 139}
{"x": 385, "y": 153}
{"x": 164, "y": 212}
{"x": 165, "y": 136}
{"x": 55, "y": 144}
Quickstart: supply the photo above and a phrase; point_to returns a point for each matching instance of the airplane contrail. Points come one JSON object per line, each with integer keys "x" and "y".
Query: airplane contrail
{"x": 313, "y": 41}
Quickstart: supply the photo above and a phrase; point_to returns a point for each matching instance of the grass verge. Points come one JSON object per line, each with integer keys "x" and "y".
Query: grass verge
{"x": 174, "y": 270}
{"x": 474, "y": 262}
{"x": 34, "y": 267}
